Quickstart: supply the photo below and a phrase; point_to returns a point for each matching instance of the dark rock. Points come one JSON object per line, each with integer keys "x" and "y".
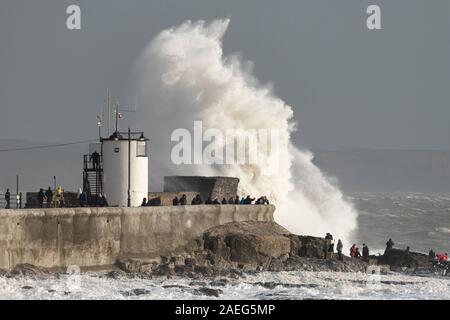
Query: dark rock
{"x": 4, "y": 273}
{"x": 189, "y": 262}
{"x": 133, "y": 265}
{"x": 403, "y": 259}
{"x": 276, "y": 265}
{"x": 115, "y": 274}
{"x": 252, "y": 243}
{"x": 206, "y": 271}
{"x": 135, "y": 292}
{"x": 217, "y": 284}
{"x": 173, "y": 286}
{"x": 311, "y": 247}
{"x": 197, "y": 283}
{"x": 166, "y": 269}
{"x": 28, "y": 270}
{"x": 208, "y": 292}
{"x": 27, "y": 287}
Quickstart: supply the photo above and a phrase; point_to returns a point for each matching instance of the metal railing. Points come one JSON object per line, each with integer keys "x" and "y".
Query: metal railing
{"x": 90, "y": 164}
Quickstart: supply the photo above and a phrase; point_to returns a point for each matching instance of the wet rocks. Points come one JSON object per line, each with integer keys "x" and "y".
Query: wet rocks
{"x": 311, "y": 247}
{"x": 138, "y": 264}
{"x": 208, "y": 292}
{"x": 28, "y": 270}
{"x": 253, "y": 243}
{"x": 135, "y": 292}
{"x": 397, "y": 258}
{"x": 116, "y": 274}
{"x": 235, "y": 249}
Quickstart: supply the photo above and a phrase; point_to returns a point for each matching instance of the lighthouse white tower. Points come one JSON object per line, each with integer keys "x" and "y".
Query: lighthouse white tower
{"x": 125, "y": 167}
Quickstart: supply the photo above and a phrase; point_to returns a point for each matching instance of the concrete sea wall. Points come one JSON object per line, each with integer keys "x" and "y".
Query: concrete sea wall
{"x": 86, "y": 237}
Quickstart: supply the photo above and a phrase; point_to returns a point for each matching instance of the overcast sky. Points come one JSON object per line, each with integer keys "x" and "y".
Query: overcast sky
{"x": 350, "y": 87}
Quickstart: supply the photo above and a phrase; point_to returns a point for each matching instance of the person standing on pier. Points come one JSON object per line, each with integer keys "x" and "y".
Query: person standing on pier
{"x": 8, "y": 199}
{"x": 41, "y": 197}
{"x": 49, "y": 196}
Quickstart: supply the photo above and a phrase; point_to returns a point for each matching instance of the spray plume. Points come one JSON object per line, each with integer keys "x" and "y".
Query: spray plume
{"x": 183, "y": 76}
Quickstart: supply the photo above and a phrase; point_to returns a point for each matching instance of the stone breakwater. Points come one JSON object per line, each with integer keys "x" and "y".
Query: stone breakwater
{"x": 189, "y": 241}
{"x": 96, "y": 237}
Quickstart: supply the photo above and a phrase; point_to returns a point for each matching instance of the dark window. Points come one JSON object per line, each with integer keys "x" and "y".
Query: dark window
{"x": 141, "y": 149}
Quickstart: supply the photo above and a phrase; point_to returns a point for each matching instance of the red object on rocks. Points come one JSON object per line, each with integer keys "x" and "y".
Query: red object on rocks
{"x": 442, "y": 257}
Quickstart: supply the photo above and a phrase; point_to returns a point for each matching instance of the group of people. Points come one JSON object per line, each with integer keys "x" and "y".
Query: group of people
{"x": 328, "y": 249}
{"x": 197, "y": 200}
{"x": 233, "y": 200}
{"x": 86, "y": 200}
{"x": 45, "y": 196}
{"x": 355, "y": 253}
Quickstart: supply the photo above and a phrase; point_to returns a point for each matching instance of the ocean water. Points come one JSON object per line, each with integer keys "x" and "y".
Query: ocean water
{"x": 418, "y": 220}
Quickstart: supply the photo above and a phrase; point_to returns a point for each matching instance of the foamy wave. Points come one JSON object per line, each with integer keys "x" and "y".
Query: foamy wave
{"x": 266, "y": 285}
{"x": 184, "y": 76}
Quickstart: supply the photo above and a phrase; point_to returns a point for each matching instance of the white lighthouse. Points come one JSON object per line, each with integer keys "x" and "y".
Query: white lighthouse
{"x": 123, "y": 168}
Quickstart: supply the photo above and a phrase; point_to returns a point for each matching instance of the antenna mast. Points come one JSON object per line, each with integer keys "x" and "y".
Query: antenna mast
{"x": 109, "y": 112}
{"x": 118, "y": 116}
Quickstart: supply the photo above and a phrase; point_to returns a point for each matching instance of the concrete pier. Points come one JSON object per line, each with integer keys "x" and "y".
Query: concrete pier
{"x": 90, "y": 237}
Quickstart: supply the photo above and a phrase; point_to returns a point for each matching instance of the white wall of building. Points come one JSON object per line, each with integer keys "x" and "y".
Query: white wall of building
{"x": 115, "y": 173}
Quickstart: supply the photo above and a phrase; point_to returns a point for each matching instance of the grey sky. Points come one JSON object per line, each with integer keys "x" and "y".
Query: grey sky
{"x": 349, "y": 86}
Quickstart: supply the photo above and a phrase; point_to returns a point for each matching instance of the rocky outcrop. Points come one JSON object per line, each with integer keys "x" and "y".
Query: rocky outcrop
{"x": 397, "y": 258}
{"x": 255, "y": 244}
{"x": 236, "y": 248}
{"x": 233, "y": 248}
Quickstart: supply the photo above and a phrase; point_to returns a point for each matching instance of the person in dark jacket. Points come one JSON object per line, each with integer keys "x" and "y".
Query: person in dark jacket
{"x": 326, "y": 246}
{"x": 8, "y": 199}
{"x": 389, "y": 245}
{"x": 431, "y": 255}
{"x": 183, "y": 200}
{"x": 209, "y": 200}
{"x": 249, "y": 200}
{"x": 216, "y": 201}
{"x": 175, "y": 201}
{"x": 144, "y": 202}
{"x": 339, "y": 248}
{"x": 224, "y": 201}
{"x": 95, "y": 158}
{"x": 331, "y": 249}
{"x": 197, "y": 200}
{"x": 83, "y": 199}
{"x": 104, "y": 201}
{"x": 365, "y": 252}
{"x": 357, "y": 253}
{"x": 237, "y": 200}
{"x": 49, "y": 196}
{"x": 41, "y": 197}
